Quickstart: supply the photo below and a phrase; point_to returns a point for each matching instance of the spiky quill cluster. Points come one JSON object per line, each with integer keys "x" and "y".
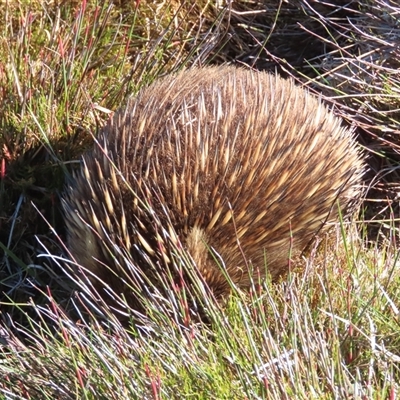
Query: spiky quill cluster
{"x": 230, "y": 164}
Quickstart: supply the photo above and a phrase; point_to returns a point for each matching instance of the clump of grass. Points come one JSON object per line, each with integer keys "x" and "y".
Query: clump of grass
{"x": 64, "y": 69}
{"x": 331, "y": 334}
{"x": 346, "y": 52}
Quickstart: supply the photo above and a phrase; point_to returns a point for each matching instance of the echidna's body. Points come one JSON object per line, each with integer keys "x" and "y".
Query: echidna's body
{"x": 240, "y": 162}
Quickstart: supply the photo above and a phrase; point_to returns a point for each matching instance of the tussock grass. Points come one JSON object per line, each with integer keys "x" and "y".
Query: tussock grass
{"x": 345, "y": 51}
{"x": 65, "y": 70}
{"x": 330, "y": 331}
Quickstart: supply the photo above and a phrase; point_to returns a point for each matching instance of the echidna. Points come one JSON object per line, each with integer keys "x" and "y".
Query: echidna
{"x": 238, "y": 167}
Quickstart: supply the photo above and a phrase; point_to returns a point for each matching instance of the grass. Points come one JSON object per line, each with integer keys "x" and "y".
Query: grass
{"x": 328, "y": 332}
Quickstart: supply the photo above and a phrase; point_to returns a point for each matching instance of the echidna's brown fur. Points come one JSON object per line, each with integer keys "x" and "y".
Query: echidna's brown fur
{"x": 240, "y": 162}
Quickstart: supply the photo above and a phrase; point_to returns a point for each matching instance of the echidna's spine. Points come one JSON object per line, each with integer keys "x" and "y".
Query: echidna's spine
{"x": 241, "y": 162}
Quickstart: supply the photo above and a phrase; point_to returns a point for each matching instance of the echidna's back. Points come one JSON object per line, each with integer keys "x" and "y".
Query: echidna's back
{"x": 228, "y": 159}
